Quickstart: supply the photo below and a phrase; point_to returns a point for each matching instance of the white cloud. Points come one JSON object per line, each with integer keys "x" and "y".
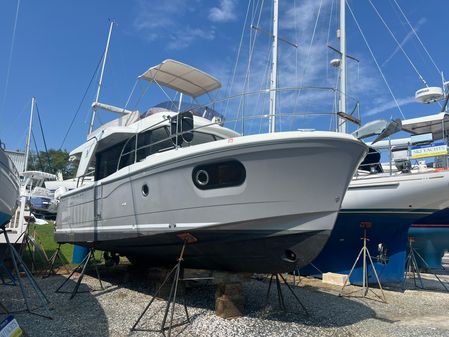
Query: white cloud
{"x": 409, "y": 35}
{"x": 389, "y": 105}
{"x": 187, "y": 36}
{"x": 224, "y": 13}
{"x": 166, "y": 20}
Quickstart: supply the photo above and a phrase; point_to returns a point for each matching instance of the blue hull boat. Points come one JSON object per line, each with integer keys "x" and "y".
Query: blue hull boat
{"x": 390, "y": 204}
{"x": 431, "y": 238}
{"x": 387, "y": 245}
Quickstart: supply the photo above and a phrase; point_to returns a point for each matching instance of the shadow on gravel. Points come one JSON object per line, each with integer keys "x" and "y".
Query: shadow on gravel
{"x": 81, "y": 316}
{"x": 325, "y": 309}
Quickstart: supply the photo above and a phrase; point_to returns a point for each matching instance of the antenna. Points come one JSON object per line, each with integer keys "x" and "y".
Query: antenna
{"x": 91, "y": 125}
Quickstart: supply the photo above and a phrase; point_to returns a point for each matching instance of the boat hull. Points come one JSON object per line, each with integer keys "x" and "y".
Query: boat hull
{"x": 431, "y": 238}
{"x": 278, "y": 219}
{"x": 9, "y": 188}
{"x": 391, "y": 205}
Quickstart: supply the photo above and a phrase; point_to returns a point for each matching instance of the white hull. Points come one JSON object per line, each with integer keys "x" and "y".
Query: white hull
{"x": 290, "y": 189}
{"x": 417, "y": 192}
{"x": 9, "y": 188}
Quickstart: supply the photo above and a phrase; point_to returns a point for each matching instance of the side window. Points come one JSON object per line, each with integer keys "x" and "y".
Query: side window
{"x": 107, "y": 160}
{"x": 201, "y": 137}
{"x": 152, "y": 141}
{"x": 128, "y": 154}
{"x": 160, "y": 140}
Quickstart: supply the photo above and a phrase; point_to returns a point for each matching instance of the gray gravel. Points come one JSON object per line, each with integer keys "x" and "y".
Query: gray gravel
{"x": 112, "y": 312}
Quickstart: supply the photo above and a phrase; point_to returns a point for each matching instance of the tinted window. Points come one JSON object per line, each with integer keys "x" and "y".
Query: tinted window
{"x": 128, "y": 153}
{"x": 152, "y": 141}
{"x": 200, "y": 138}
{"x": 107, "y": 160}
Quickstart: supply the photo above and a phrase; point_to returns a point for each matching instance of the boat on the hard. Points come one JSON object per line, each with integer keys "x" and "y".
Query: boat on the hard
{"x": 258, "y": 203}
{"x": 9, "y": 187}
{"x": 430, "y": 235}
{"x": 389, "y": 198}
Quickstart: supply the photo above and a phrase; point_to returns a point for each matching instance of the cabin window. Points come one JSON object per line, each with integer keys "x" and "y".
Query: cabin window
{"x": 201, "y": 138}
{"x": 107, "y": 160}
{"x": 152, "y": 141}
{"x": 128, "y": 156}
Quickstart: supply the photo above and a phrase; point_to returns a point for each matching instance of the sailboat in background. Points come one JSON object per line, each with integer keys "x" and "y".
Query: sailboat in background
{"x": 390, "y": 202}
{"x": 34, "y": 200}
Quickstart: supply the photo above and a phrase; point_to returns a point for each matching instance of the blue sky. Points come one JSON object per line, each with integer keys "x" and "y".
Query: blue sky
{"x": 58, "y": 44}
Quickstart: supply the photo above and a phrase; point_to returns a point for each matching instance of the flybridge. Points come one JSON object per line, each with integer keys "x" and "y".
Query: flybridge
{"x": 182, "y": 78}
{"x": 172, "y": 74}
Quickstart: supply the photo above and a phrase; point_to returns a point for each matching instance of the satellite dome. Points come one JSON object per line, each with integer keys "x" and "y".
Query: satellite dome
{"x": 429, "y": 95}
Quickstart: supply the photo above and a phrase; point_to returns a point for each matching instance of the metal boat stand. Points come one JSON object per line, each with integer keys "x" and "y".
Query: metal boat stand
{"x": 8, "y": 273}
{"x": 30, "y": 244}
{"x": 280, "y": 295}
{"x": 82, "y": 269}
{"x": 411, "y": 266}
{"x": 5, "y": 309}
{"x": 175, "y": 276}
{"x": 20, "y": 266}
{"x": 365, "y": 282}
{"x": 51, "y": 263}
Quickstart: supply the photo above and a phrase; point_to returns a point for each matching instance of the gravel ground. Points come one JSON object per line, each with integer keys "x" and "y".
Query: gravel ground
{"x": 113, "y": 311}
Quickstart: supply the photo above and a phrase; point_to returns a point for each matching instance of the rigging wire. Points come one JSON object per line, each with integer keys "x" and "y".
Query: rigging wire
{"x": 50, "y": 166}
{"x": 81, "y": 102}
{"x": 248, "y": 68}
{"x": 37, "y": 152}
{"x": 375, "y": 60}
{"x": 230, "y": 83}
{"x": 8, "y": 71}
{"x": 310, "y": 47}
{"x": 398, "y": 43}
{"x": 417, "y": 37}
{"x": 328, "y": 36}
{"x": 296, "y": 35}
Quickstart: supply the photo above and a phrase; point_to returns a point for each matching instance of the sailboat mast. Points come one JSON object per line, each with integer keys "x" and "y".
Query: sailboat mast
{"x": 274, "y": 62}
{"x": 97, "y": 97}
{"x": 341, "y": 123}
{"x": 28, "y": 141}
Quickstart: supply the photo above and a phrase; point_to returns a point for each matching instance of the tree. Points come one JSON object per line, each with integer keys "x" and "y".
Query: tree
{"x": 54, "y": 161}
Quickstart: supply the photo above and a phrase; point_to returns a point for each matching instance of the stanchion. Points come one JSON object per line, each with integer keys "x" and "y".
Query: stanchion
{"x": 174, "y": 274}
{"x": 81, "y": 267}
{"x": 411, "y": 266}
{"x": 366, "y": 254}
{"x": 280, "y": 295}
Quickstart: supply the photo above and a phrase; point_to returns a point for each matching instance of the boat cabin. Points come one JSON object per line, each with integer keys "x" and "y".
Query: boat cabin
{"x": 134, "y": 136}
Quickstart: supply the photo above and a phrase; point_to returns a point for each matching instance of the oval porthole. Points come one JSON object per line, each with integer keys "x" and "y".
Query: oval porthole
{"x": 202, "y": 177}
{"x": 145, "y": 190}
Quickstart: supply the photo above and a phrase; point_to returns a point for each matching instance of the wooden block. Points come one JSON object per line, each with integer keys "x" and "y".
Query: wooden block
{"x": 335, "y": 279}
{"x": 225, "y": 307}
{"x": 229, "y": 300}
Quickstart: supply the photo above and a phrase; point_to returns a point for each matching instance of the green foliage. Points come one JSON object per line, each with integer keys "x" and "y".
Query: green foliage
{"x": 56, "y": 160}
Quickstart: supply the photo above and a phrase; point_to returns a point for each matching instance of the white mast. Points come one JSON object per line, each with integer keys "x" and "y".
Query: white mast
{"x": 274, "y": 62}
{"x": 91, "y": 125}
{"x": 341, "y": 123}
{"x": 28, "y": 141}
